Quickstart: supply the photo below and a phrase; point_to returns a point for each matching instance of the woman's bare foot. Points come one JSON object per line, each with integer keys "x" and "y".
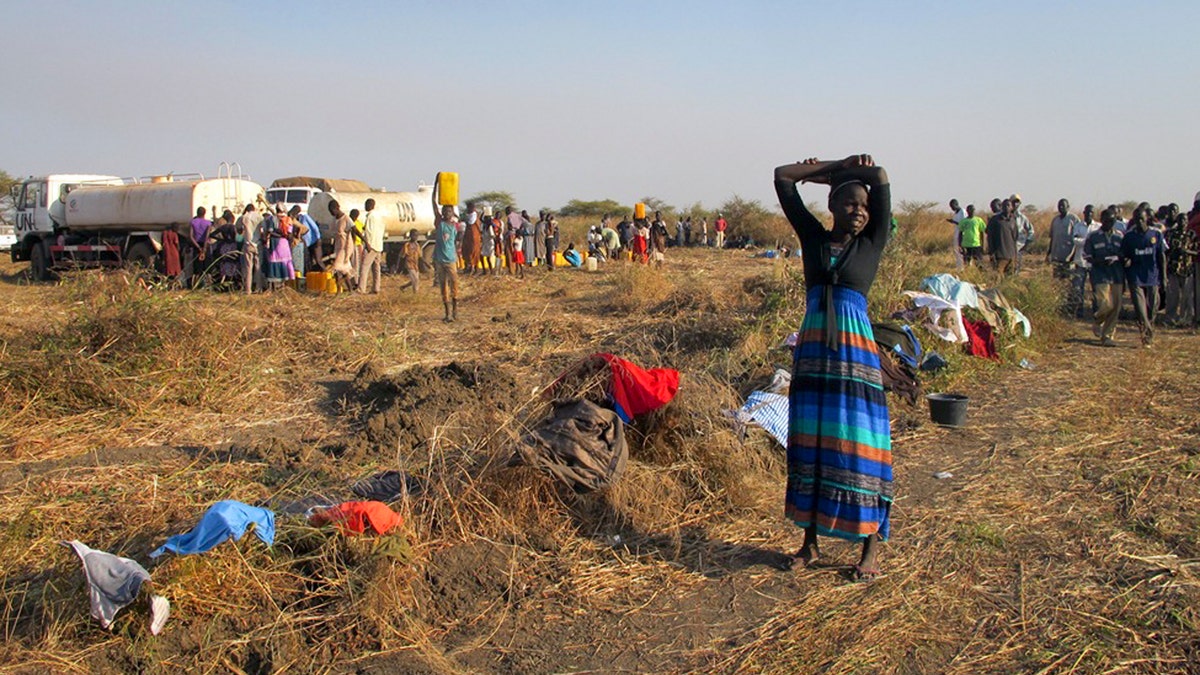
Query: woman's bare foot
{"x": 867, "y": 568}
{"x": 809, "y": 553}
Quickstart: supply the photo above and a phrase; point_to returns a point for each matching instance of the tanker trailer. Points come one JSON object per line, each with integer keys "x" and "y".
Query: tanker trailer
{"x": 107, "y": 222}
{"x": 400, "y": 211}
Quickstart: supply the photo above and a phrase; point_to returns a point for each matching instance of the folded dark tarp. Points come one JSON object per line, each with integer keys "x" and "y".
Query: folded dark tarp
{"x": 386, "y": 486}
{"x": 581, "y": 444}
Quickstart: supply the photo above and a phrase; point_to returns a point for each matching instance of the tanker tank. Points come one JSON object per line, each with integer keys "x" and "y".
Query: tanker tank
{"x": 157, "y": 205}
{"x": 400, "y": 211}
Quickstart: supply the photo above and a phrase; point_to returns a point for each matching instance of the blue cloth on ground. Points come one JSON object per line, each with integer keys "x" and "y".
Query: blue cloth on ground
{"x": 949, "y": 287}
{"x": 224, "y": 520}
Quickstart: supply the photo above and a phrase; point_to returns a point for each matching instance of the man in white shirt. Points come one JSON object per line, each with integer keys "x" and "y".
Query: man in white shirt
{"x": 1062, "y": 239}
{"x": 1080, "y": 230}
{"x": 956, "y": 217}
{"x": 1025, "y": 232}
{"x": 372, "y": 258}
{"x": 248, "y": 228}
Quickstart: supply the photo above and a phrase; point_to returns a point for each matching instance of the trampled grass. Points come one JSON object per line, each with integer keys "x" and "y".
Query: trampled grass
{"x": 1065, "y": 543}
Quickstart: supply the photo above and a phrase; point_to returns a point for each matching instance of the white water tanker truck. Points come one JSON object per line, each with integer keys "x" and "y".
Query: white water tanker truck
{"x": 66, "y": 221}
{"x": 401, "y": 212}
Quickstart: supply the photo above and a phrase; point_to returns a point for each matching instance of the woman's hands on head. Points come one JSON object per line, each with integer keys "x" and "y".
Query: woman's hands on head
{"x": 828, "y": 172}
{"x": 857, "y": 160}
{"x": 829, "y": 169}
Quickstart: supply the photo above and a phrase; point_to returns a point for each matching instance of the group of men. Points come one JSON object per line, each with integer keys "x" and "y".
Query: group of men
{"x": 1155, "y": 255}
{"x": 1004, "y": 237}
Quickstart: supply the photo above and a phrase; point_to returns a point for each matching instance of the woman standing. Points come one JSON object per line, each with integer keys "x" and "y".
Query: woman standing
{"x": 507, "y": 237}
{"x": 839, "y": 437}
{"x": 298, "y": 233}
{"x": 171, "y": 265}
{"x": 343, "y": 248}
{"x": 487, "y": 243}
{"x": 641, "y": 241}
{"x": 279, "y": 260}
{"x": 528, "y": 247}
{"x": 472, "y": 242}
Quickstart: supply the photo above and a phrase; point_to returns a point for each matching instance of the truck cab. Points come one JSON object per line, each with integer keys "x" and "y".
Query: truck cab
{"x": 39, "y": 204}
{"x": 287, "y": 197}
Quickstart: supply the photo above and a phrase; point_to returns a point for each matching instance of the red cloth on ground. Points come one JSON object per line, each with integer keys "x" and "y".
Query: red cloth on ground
{"x": 358, "y": 516}
{"x": 981, "y": 341}
{"x": 635, "y": 390}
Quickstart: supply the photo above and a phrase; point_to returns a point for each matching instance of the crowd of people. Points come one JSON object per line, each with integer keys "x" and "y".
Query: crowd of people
{"x": 646, "y": 240}
{"x": 264, "y": 250}
{"x": 1154, "y": 257}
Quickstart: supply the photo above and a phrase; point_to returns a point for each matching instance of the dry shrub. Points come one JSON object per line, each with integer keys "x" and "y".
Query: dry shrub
{"x": 122, "y": 357}
{"x": 524, "y": 503}
{"x": 1040, "y": 297}
{"x": 638, "y": 287}
{"x": 692, "y": 436}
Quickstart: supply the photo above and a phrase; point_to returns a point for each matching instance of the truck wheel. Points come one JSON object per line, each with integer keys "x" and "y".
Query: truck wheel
{"x": 39, "y": 262}
{"x": 141, "y": 255}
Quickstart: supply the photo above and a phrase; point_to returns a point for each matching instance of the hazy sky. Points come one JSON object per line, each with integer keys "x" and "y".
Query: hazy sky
{"x": 684, "y": 101}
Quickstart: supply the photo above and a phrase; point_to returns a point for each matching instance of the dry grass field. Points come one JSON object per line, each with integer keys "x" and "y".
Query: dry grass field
{"x": 1067, "y": 540}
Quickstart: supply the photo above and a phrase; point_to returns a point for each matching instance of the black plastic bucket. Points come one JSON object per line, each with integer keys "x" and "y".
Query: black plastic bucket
{"x": 948, "y": 410}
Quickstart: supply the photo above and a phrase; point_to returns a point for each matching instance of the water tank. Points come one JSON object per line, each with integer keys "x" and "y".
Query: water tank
{"x": 155, "y": 205}
{"x": 400, "y": 211}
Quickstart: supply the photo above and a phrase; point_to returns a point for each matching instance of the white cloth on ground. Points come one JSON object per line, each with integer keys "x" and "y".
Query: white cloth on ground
{"x": 781, "y": 382}
{"x": 988, "y": 301}
{"x": 949, "y": 287}
{"x": 956, "y": 331}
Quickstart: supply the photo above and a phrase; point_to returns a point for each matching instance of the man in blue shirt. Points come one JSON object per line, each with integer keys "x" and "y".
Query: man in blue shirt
{"x": 1102, "y": 250}
{"x": 312, "y": 239}
{"x": 1143, "y": 252}
{"x": 445, "y": 261}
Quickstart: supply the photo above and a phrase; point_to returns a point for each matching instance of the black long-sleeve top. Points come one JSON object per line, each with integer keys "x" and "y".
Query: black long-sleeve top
{"x": 859, "y": 261}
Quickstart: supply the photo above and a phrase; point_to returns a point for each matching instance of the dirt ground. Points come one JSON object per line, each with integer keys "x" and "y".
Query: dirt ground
{"x": 1065, "y": 539}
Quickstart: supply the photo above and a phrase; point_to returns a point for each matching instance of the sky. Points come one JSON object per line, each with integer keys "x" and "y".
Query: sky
{"x": 551, "y": 101}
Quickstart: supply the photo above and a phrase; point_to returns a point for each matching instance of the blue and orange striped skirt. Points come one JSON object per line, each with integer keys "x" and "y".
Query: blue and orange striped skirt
{"x": 839, "y": 434}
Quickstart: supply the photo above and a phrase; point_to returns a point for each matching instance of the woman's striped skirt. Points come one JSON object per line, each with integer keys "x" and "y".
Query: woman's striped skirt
{"x": 839, "y": 435}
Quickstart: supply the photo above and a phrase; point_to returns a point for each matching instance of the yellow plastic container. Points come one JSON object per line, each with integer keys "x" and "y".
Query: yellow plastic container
{"x": 314, "y": 281}
{"x": 447, "y": 188}
{"x": 639, "y": 210}
{"x": 331, "y": 285}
